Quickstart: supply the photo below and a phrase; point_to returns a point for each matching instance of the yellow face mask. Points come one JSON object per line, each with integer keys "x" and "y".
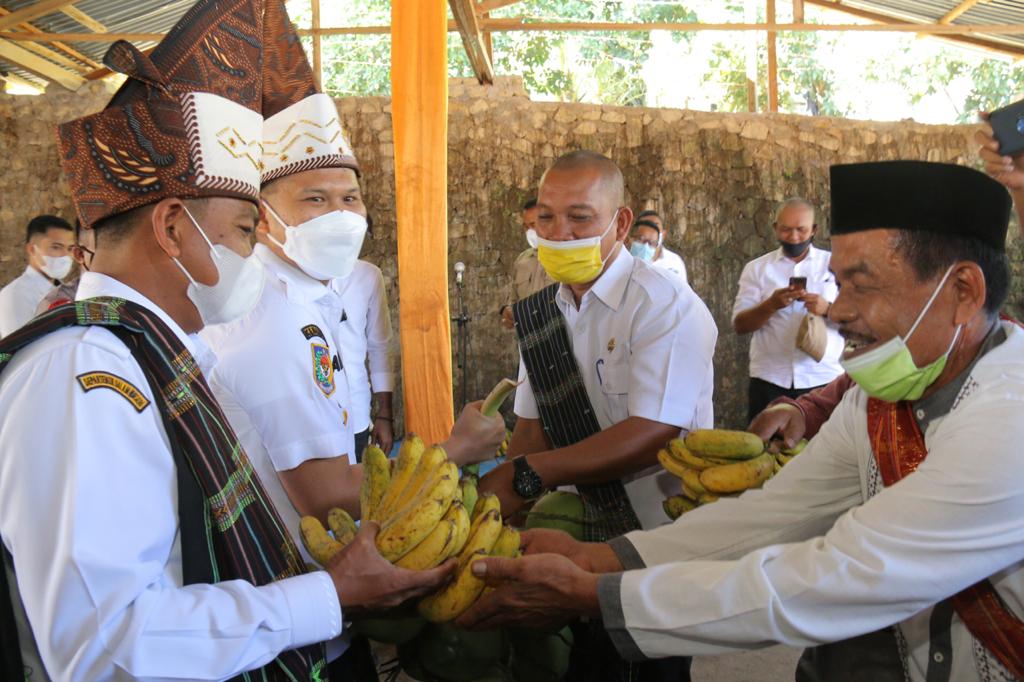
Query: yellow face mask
{"x": 576, "y": 261}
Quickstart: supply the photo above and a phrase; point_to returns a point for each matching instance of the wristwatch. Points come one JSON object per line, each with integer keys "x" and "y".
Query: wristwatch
{"x": 525, "y": 481}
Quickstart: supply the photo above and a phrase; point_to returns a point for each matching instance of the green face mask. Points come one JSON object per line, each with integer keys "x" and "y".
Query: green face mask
{"x": 889, "y": 373}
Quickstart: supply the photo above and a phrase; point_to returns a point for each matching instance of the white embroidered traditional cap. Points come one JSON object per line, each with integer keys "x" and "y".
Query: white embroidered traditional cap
{"x": 302, "y": 130}
{"x": 188, "y": 122}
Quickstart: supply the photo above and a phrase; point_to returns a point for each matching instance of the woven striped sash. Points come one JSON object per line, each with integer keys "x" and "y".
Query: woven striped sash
{"x": 229, "y": 528}
{"x": 566, "y": 413}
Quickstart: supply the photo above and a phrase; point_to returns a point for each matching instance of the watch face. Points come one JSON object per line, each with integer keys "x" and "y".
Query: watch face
{"x": 526, "y": 482}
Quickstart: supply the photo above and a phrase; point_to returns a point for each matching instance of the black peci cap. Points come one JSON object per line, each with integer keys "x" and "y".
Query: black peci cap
{"x": 919, "y": 195}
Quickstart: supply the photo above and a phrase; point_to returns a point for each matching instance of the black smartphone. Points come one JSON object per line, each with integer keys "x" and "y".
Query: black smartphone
{"x": 1008, "y": 128}
{"x": 798, "y": 282}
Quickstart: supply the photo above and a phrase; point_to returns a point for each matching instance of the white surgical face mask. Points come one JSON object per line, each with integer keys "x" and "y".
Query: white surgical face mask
{"x": 57, "y": 267}
{"x": 532, "y": 238}
{"x": 325, "y": 247}
{"x": 238, "y": 288}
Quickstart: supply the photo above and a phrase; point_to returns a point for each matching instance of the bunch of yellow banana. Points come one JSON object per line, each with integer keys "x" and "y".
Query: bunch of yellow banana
{"x": 714, "y": 463}
{"x": 487, "y": 537}
{"x": 418, "y": 506}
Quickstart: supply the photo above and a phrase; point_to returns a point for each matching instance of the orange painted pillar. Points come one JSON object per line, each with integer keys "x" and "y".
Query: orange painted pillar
{"x": 419, "y": 112}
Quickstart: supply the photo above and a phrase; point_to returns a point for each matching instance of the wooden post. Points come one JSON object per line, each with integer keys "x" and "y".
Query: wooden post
{"x": 751, "y": 44}
{"x": 773, "y": 65}
{"x": 798, "y": 11}
{"x": 318, "y": 64}
{"x": 419, "y": 106}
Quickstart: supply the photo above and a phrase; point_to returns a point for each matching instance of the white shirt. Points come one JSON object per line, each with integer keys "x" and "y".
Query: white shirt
{"x": 644, "y": 343}
{"x": 88, "y": 510}
{"x": 774, "y": 356}
{"x": 671, "y": 262}
{"x": 824, "y": 552}
{"x": 20, "y": 298}
{"x": 364, "y": 334}
{"x": 266, "y": 379}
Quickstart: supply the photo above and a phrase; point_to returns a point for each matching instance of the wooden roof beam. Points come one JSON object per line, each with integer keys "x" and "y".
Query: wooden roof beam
{"x": 38, "y": 9}
{"x": 964, "y": 6}
{"x": 70, "y": 52}
{"x": 19, "y": 56}
{"x": 84, "y": 19}
{"x": 469, "y": 28}
{"x": 490, "y": 5}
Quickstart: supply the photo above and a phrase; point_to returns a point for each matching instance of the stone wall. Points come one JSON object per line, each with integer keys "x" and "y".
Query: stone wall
{"x": 716, "y": 177}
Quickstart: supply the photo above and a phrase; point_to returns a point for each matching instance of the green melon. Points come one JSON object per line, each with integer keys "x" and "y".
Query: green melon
{"x": 558, "y": 510}
{"x": 540, "y": 657}
{"x": 459, "y": 655}
{"x": 391, "y": 630}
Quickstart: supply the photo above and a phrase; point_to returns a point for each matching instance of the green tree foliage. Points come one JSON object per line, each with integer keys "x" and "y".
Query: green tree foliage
{"x": 608, "y": 67}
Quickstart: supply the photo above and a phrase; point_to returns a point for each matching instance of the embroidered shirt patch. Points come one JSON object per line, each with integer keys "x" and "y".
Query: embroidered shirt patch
{"x": 323, "y": 368}
{"x": 124, "y": 388}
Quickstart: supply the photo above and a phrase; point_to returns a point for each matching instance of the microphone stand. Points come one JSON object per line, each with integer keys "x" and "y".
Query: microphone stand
{"x": 462, "y": 338}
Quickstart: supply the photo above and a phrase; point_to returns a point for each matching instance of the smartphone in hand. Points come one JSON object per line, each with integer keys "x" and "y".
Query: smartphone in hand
{"x": 1008, "y": 127}
{"x": 798, "y": 282}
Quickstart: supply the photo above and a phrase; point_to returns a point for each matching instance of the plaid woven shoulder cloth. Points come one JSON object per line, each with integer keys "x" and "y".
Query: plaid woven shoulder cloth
{"x": 566, "y": 413}
{"x": 229, "y": 528}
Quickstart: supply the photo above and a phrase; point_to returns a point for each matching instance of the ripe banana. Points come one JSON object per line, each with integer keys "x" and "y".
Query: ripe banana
{"x": 420, "y": 482}
{"x": 670, "y": 465}
{"x": 410, "y": 526}
{"x": 796, "y": 449}
{"x": 376, "y": 480}
{"x": 707, "y": 498}
{"x": 433, "y": 550}
{"x": 469, "y": 493}
{"x": 409, "y": 456}
{"x": 460, "y": 516}
{"x": 485, "y": 503}
{"x": 739, "y": 476}
{"x": 342, "y": 525}
{"x": 460, "y": 594}
{"x": 723, "y": 443}
{"x": 677, "y": 505}
{"x": 317, "y": 542}
{"x": 691, "y": 479}
{"x": 677, "y": 449}
{"x": 783, "y": 460}
{"x": 507, "y": 544}
{"x": 690, "y": 492}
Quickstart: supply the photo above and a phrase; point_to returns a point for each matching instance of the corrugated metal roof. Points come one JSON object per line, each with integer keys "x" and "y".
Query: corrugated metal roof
{"x": 157, "y": 16}
{"x": 986, "y": 12}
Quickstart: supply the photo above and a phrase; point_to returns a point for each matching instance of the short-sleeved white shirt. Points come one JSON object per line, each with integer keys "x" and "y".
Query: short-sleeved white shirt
{"x": 774, "y": 356}
{"x": 644, "y": 343}
{"x": 20, "y": 298}
{"x": 364, "y": 334}
{"x": 278, "y": 381}
{"x": 671, "y": 261}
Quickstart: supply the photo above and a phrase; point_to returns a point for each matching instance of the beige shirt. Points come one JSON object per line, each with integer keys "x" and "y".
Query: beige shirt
{"x": 528, "y": 276}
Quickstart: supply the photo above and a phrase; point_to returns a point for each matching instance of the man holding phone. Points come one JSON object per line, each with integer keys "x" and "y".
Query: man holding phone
{"x": 1003, "y": 156}
{"x": 776, "y": 292}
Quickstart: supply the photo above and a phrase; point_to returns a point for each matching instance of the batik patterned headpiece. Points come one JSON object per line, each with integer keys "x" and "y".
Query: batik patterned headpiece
{"x": 302, "y": 130}
{"x": 186, "y": 124}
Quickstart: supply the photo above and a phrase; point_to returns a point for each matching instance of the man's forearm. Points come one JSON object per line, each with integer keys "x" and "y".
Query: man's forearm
{"x": 752, "y": 319}
{"x": 384, "y": 405}
{"x": 620, "y": 450}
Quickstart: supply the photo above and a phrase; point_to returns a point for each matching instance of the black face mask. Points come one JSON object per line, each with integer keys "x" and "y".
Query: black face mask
{"x": 794, "y": 250}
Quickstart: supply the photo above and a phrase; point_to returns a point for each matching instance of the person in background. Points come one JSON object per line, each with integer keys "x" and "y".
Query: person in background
{"x": 82, "y": 251}
{"x": 48, "y": 240}
{"x": 766, "y": 307}
{"x": 364, "y": 337}
{"x": 1008, "y": 170}
{"x": 528, "y": 277}
{"x": 663, "y": 257}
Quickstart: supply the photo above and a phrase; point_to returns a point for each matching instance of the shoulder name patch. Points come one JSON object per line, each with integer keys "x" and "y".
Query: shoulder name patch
{"x": 311, "y": 331}
{"x": 123, "y": 387}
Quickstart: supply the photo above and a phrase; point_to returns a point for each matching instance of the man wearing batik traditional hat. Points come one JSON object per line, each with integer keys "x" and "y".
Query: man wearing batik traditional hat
{"x": 905, "y": 509}
{"x": 137, "y": 539}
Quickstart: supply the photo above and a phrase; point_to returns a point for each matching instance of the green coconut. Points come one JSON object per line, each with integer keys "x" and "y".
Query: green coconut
{"x": 459, "y": 655}
{"x": 396, "y": 630}
{"x": 558, "y": 510}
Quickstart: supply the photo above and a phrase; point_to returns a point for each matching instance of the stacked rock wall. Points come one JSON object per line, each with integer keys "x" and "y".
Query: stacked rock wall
{"x": 716, "y": 178}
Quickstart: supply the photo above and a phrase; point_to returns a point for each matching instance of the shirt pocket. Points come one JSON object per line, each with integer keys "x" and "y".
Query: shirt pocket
{"x": 613, "y": 376}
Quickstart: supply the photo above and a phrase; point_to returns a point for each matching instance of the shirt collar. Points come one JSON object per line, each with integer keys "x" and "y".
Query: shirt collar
{"x": 93, "y": 284}
{"x": 38, "y": 279}
{"x": 941, "y": 402}
{"x": 610, "y": 286}
{"x": 299, "y": 286}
